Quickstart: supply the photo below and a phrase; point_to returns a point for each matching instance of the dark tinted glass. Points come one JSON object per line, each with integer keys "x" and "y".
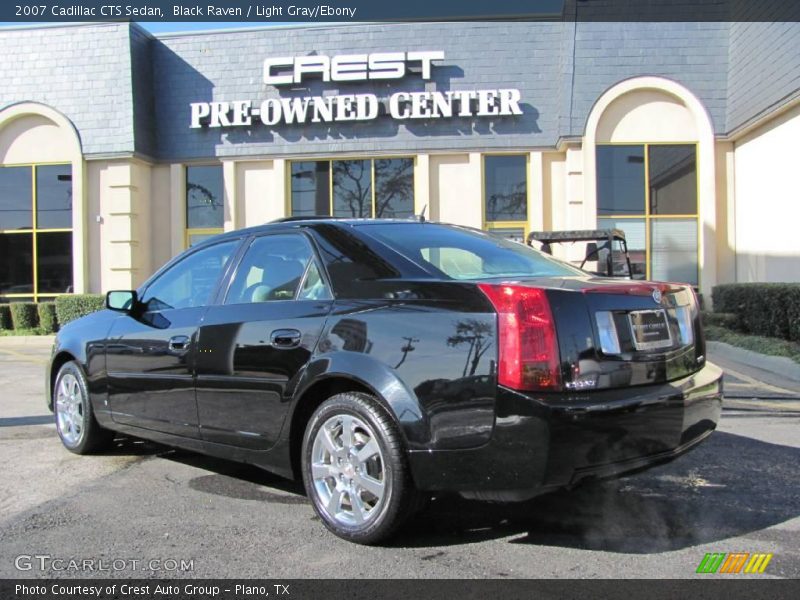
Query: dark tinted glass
{"x": 191, "y": 281}
{"x": 16, "y": 263}
{"x": 204, "y": 197}
{"x": 54, "y": 255}
{"x": 272, "y": 269}
{"x": 54, "y": 197}
{"x": 506, "y": 190}
{"x": 352, "y": 188}
{"x": 349, "y": 260}
{"x": 620, "y": 180}
{"x": 311, "y": 192}
{"x": 16, "y": 198}
{"x": 464, "y": 254}
{"x": 673, "y": 179}
{"x": 394, "y": 188}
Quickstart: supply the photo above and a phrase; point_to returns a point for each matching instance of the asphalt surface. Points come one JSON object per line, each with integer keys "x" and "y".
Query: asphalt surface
{"x": 738, "y": 492}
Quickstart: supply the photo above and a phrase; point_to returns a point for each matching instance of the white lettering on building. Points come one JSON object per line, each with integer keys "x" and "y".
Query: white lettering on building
{"x": 355, "y": 107}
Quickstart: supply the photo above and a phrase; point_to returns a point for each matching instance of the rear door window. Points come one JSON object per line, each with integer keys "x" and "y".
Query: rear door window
{"x": 277, "y": 267}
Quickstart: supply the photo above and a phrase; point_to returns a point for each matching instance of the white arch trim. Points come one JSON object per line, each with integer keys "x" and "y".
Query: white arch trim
{"x": 12, "y": 113}
{"x": 705, "y": 162}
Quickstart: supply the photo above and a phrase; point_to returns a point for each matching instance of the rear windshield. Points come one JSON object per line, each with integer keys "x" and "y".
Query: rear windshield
{"x": 465, "y": 253}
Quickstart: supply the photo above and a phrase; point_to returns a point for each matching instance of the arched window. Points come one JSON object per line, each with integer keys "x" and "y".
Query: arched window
{"x": 648, "y": 142}
{"x": 38, "y": 153}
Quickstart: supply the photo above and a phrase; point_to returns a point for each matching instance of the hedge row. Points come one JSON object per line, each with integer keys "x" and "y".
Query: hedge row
{"x": 48, "y": 316}
{"x": 74, "y": 306}
{"x": 767, "y": 309}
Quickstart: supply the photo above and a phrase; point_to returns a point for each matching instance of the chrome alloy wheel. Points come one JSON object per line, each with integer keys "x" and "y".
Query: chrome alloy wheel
{"x": 347, "y": 468}
{"x": 70, "y": 409}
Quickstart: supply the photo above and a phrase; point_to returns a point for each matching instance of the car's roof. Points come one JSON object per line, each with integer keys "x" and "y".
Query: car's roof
{"x": 290, "y": 223}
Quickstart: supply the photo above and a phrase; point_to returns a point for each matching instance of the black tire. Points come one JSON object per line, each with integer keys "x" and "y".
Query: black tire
{"x": 400, "y": 499}
{"x": 91, "y": 437}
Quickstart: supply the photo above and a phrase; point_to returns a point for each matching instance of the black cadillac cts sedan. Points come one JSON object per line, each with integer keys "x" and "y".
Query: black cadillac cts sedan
{"x": 385, "y": 360}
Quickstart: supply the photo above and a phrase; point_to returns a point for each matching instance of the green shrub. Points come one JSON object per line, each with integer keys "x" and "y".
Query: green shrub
{"x": 47, "y": 317}
{"x": 766, "y": 309}
{"x": 720, "y": 319}
{"x": 5, "y": 317}
{"x": 73, "y": 306}
{"x": 23, "y": 315}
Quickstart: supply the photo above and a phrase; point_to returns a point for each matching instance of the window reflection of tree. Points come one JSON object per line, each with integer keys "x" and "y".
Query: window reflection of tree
{"x": 352, "y": 189}
{"x": 200, "y": 197}
{"x": 478, "y": 334}
{"x": 394, "y": 183}
{"x": 508, "y": 206}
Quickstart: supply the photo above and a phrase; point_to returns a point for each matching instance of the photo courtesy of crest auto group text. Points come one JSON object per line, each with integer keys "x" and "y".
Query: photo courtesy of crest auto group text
{"x": 489, "y": 298}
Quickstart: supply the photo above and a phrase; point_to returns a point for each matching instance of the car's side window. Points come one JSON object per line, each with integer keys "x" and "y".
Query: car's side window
{"x": 190, "y": 282}
{"x": 273, "y": 268}
{"x": 314, "y": 286}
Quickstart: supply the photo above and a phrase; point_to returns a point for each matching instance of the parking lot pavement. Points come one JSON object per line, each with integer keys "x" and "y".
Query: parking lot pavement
{"x": 735, "y": 493}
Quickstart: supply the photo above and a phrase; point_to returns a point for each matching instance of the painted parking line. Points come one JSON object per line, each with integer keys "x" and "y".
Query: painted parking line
{"x": 23, "y": 356}
{"x": 751, "y": 382}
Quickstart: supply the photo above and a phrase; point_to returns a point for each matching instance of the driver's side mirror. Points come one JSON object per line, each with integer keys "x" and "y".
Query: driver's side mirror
{"x": 121, "y": 300}
{"x": 591, "y": 251}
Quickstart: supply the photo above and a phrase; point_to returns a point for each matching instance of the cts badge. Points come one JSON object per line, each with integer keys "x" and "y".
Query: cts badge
{"x": 657, "y": 296}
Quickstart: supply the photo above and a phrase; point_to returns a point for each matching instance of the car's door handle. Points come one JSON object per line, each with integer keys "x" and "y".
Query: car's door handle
{"x": 285, "y": 338}
{"x": 179, "y": 343}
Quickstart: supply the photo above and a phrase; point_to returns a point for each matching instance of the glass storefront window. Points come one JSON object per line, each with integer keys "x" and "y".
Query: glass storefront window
{"x": 204, "y": 197}
{"x": 310, "y": 188}
{"x": 650, "y": 192}
{"x": 382, "y": 188}
{"x": 635, "y": 239}
{"x": 352, "y": 188}
{"x": 505, "y": 188}
{"x": 54, "y": 255}
{"x": 394, "y": 188}
{"x": 505, "y": 196}
{"x": 205, "y": 207}
{"x": 673, "y": 250}
{"x": 16, "y": 263}
{"x": 54, "y": 197}
{"x": 620, "y": 180}
{"x": 16, "y": 195}
{"x": 35, "y": 231}
{"x": 672, "y": 175}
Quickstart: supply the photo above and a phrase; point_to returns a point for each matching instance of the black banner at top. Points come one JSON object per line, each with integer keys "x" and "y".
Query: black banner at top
{"x": 279, "y": 11}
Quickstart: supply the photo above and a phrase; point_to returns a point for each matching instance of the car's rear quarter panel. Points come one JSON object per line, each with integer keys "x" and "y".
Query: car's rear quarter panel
{"x": 436, "y": 358}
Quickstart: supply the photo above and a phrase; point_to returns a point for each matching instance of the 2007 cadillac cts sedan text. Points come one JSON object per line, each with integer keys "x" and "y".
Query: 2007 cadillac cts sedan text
{"x": 385, "y": 360}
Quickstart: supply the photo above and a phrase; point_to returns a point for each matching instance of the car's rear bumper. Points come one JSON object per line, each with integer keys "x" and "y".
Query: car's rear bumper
{"x": 547, "y": 442}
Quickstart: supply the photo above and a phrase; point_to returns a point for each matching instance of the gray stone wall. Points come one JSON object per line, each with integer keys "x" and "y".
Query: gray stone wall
{"x": 764, "y": 68}
{"x": 127, "y": 91}
{"x": 82, "y": 71}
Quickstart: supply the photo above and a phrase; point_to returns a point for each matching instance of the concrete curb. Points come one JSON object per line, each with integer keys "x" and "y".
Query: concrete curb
{"x": 778, "y": 365}
{"x": 27, "y": 340}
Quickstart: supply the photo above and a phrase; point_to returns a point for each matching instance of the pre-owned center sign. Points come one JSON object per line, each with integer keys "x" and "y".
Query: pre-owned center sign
{"x": 380, "y": 66}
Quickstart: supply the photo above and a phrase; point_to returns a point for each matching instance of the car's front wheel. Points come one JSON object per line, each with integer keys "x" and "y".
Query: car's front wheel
{"x": 78, "y": 429}
{"x": 355, "y": 469}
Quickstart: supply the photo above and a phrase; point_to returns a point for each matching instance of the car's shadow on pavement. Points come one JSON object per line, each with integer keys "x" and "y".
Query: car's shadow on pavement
{"x": 727, "y": 487}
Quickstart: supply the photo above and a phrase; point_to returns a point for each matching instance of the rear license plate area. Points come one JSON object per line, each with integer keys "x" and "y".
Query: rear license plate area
{"x": 649, "y": 329}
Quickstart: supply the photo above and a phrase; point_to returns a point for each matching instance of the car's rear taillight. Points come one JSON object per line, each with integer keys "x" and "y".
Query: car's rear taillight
{"x": 528, "y": 348}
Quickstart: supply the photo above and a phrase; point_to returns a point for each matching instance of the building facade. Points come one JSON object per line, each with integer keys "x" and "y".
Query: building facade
{"x": 119, "y": 149}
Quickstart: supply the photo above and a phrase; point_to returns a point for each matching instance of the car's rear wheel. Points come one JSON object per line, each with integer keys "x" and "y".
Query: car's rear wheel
{"x": 355, "y": 469}
{"x": 78, "y": 429}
